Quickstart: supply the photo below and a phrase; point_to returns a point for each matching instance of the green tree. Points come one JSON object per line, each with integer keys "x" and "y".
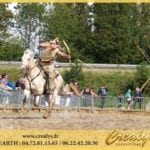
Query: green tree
{"x": 116, "y": 32}
{"x": 99, "y": 33}
{"x": 61, "y": 22}
{"x": 143, "y": 27}
{"x": 5, "y": 17}
{"x": 10, "y": 49}
{"x": 29, "y": 22}
{"x": 69, "y": 22}
{"x": 81, "y": 37}
{"x": 141, "y": 76}
{"x": 75, "y": 73}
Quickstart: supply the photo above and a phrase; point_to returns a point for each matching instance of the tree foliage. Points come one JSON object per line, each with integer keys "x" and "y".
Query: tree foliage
{"x": 97, "y": 33}
{"x": 10, "y": 48}
{"x": 75, "y": 73}
{"x": 5, "y": 20}
{"x": 29, "y": 23}
{"x": 141, "y": 76}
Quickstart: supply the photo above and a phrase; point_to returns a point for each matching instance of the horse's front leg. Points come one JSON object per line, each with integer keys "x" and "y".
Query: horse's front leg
{"x": 36, "y": 101}
{"x": 50, "y": 99}
{"x": 26, "y": 97}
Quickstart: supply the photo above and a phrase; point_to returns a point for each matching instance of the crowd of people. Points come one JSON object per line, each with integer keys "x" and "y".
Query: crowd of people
{"x": 8, "y": 85}
{"x": 131, "y": 99}
{"x": 88, "y": 94}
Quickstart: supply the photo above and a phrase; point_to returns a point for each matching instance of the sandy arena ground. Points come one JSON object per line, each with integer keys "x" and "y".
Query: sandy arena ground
{"x": 75, "y": 120}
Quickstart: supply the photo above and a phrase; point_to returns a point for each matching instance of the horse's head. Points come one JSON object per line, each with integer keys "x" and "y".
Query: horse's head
{"x": 27, "y": 60}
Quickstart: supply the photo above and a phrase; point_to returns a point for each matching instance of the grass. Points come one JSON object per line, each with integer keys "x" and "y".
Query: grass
{"x": 12, "y": 71}
{"x": 115, "y": 79}
{"x": 111, "y": 102}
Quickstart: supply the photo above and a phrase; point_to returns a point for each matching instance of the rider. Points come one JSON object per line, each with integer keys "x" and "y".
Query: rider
{"x": 47, "y": 56}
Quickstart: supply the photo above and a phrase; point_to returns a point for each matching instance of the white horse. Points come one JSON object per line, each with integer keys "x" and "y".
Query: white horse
{"x": 35, "y": 81}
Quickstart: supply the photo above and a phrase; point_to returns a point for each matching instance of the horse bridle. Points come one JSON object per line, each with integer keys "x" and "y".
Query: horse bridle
{"x": 30, "y": 81}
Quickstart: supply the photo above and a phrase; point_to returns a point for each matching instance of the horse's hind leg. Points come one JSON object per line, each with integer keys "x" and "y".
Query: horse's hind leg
{"x": 51, "y": 98}
{"x": 50, "y": 101}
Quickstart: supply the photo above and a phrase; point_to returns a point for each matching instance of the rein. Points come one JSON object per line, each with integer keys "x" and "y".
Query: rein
{"x": 30, "y": 81}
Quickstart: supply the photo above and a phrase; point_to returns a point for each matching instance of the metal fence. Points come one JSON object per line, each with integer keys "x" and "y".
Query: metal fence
{"x": 14, "y": 100}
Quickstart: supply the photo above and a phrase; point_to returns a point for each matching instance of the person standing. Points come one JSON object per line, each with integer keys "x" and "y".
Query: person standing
{"x": 102, "y": 92}
{"x": 120, "y": 100}
{"x": 128, "y": 99}
{"x": 71, "y": 90}
{"x": 88, "y": 94}
{"x": 137, "y": 98}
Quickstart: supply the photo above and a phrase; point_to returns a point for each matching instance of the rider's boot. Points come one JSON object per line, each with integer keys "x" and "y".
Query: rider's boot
{"x": 51, "y": 86}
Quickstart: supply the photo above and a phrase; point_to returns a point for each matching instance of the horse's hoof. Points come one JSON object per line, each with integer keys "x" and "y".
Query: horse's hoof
{"x": 45, "y": 117}
{"x": 36, "y": 105}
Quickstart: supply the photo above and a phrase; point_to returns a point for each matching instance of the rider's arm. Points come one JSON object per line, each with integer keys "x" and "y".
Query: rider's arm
{"x": 60, "y": 53}
{"x": 44, "y": 44}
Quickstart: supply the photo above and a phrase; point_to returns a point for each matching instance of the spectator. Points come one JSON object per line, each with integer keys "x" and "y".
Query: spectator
{"x": 86, "y": 91}
{"x": 1, "y": 81}
{"x": 20, "y": 83}
{"x": 0, "y": 78}
{"x": 137, "y": 98}
{"x": 128, "y": 99}
{"x": 74, "y": 87}
{"x": 93, "y": 92}
{"x": 71, "y": 89}
{"x": 5, "y": 83}
{"x": 102, "y": 92}
{"x": 4, "y": 94}
{"x": 120, "y": 100}
{"x": 88, "y": 94}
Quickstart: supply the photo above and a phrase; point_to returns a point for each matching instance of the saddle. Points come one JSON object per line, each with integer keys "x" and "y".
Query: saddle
{"x": 45, "y": 74}
{"x": 46, "y": 77}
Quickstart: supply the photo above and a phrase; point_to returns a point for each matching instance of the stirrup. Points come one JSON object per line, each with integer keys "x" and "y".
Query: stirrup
{"x": 48, "y": 91}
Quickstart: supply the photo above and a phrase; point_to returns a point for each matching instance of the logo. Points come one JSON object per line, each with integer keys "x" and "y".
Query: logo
{"x": 123, "y": 138}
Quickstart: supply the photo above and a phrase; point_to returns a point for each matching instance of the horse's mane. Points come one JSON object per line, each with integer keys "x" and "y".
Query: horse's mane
{"x": 28, "y": 51}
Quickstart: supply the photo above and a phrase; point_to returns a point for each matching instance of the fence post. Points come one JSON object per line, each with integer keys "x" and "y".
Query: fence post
{"x": 18, "y": 95}
{"x": 92, "y": 108}
{"x": 79, "y": 100}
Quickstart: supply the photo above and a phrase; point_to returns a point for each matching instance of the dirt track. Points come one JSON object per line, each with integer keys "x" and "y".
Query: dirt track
{"x": 75, "y": 120}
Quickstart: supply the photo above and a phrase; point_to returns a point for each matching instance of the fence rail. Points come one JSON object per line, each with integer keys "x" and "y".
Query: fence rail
{"x": 86, "y": 65}
{"x": 14, "y": 100}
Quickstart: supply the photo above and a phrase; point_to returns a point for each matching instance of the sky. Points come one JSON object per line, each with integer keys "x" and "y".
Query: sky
{"x": 11, "y": 30}
{"x": 11, "y": 6}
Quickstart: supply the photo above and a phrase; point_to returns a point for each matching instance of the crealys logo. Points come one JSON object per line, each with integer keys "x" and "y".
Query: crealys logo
{"x": 137, "y": 138}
